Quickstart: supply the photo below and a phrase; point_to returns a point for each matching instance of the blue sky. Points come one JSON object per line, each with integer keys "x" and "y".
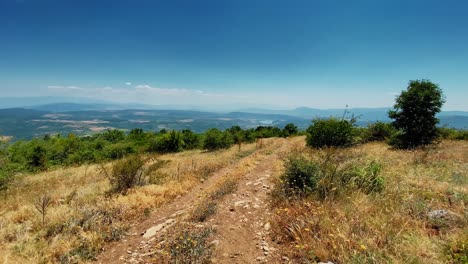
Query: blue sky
{"x": 323, "y": 54}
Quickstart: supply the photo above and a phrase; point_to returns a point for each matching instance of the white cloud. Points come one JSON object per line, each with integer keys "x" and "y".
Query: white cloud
{"x": 128, "y": 83}
{"x": 144, "y": 93}
{"x": 64, "y": 88}
{"x": 144, "y": 88}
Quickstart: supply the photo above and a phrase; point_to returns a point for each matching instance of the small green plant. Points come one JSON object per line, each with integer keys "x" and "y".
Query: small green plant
{"x": 190, "y": 245}
{"x": 208, "y": 206}
{"x": 301, "y": 175}
{"x": 330, "y": 133}
{"x": 366, "y": 178}
{"x": 127, "y": 173}
{"x": 457, "y": 251}
{"x": 327, "y": 179}
{"x": 226, "y": 187}
{"x": 203, "y": 210}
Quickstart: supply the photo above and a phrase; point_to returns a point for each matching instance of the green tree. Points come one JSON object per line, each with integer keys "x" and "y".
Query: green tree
{"x": 168, "y": 142}
{"x": 114, "y": 135}
{"x": 290, "y": 130}
{"x": 330, "y": 133}
{"x": 38, "y": 158}
{"x": 215, "y": 139}
{"x": 414, "y": 114}
{"x": 190, "y": 139}
{"x": 237, "y": 134}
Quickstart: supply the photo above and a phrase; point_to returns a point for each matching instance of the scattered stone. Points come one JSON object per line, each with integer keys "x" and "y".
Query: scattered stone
{"x": 239, "y": 203}
{"x": 267, "y": 226}
{"x": 438, "y": 214}
{"x": 151, "y": 232}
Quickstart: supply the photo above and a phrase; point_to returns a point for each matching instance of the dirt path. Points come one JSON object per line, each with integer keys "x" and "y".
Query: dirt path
{"x": 242, "y": 222}
{"x": 241, "y": 219}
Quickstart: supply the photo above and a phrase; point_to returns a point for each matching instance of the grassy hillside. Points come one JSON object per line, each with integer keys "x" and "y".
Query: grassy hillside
{"x": 414, "y": 211}
{"x": 82, "y": 217}
{"x": 420, "y": 215}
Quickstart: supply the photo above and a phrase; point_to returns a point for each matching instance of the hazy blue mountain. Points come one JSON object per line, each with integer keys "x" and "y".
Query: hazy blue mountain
{"x": 15, "y": 102}
{"x": 87, "y": 118}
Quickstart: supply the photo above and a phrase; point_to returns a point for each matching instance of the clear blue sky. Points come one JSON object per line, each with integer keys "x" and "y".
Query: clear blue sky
{"x": 323, "y": 54}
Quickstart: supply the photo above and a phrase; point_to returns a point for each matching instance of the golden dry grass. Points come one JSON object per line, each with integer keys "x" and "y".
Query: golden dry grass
{"x": 81, "y": 219}
{"x": 388, "y": 227}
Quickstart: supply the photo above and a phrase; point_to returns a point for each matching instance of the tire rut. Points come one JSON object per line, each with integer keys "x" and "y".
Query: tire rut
{"x": 135, "y": 247}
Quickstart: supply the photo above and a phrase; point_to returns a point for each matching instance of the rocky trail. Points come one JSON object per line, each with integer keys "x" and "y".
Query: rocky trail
{"x": 241, "y": 220}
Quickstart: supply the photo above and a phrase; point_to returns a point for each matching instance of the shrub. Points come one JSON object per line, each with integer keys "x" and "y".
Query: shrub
{"x": 267, "y": 132}
{"x": 414, "y": 114}
{"x": 249, "y": 135}
{"x": 113, "y": 135}
{"x": 330, "y": 133}
{"x": 215, "y": 139}
{"x": 168, "y": 142}
{"x": 189, "y": 245}
{"x": 366, "y": 178}
{"x": 461, "y": 135}
{"x": 301, "y": 175}
{"x": 237, "y": 135}
{"x": 453, "y": 134}
{"x": 190, "y": 139}
{"x": 378, "y": 131}
{"x": 118, "y": 150}
{"x": 290, "y": 130}
{"x": 5, "y": 178}
{"x": 38, "y": 158}
{"x": 327, "y": 179}
{"x": 203, "y": 210}
{"x": 127, "y": 173}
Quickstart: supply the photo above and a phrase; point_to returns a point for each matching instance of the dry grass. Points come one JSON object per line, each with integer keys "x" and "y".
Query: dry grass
{"x": 388, "y": 227}
{"x": 81, "y": 218}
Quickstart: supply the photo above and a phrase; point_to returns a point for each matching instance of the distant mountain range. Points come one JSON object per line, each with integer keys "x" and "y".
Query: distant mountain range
{"x": 85, "y": 118}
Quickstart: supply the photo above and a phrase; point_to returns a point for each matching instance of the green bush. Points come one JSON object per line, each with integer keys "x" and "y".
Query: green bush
{"x": 237, "y": 134}
{"x": 190, "y": 139}
{"x": 330, "y": 133}
{"x": 290, "y": 130}
{"x": 113, "y": 135}
{"x": 378, "y": 131}
{"x": 301, "y": 176}
{"x": 215, "y": 139}
{"x": 5, "y": 178}
{"x": 127, "y": 173}
{"x": 328, "y": 179}
{"x": 168, "y": 142}
{"x": 118, "y": 150}
{"x": 37, "y": 158}
{"x": 267, "y": 132}
{"x": 365, "y": 178}
{"x": 452, "y": 134}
